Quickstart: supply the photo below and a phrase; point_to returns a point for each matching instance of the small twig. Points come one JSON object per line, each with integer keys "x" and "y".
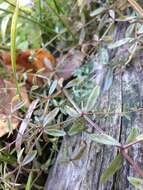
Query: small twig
{"x": 106, "y": 31}
{"x": 17, "y": 175}
{"x": 131, "y": 144}
{"x": 136, "y": 6}
{"x": 93, "y": 124}
{"x": 134, "y": 165}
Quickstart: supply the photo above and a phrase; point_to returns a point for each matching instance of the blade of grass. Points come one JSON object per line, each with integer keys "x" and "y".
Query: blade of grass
{"x": 13, "y": 45}
{"x": 29, "y": 182}
{"x": 59, "y": 9}
{"x": 61, "y": 20}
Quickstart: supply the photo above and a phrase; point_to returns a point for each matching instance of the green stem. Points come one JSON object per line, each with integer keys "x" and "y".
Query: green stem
{"x": 59, "y": 10}
{"x": 13, "y": 5}
{"x": 13, "y": 45}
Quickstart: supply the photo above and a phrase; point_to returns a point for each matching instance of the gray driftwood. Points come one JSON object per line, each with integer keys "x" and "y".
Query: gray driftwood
{"x": 126, "y": 92}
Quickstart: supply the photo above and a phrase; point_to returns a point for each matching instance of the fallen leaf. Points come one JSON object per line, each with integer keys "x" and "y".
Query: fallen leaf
{"x": 9, "y": 105}
{"x": 67, "y": 64}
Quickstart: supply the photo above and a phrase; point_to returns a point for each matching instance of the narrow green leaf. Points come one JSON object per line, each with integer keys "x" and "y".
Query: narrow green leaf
{"x": 104, "y": 56}
{"x": 97, "y": 11}
{"x": 58, "y": 7}
{"x": 77, "y": 127}
{"x": 92, "y": 98}
{"x": 29, "y": 157}
{"x": 55, "y": 132}
{"x": 53, "y": 87}
{"x": 139, "y": 137}
{"x": 112, "y": 168}
{"x": 82, "y": 35}
{"x": 104, "y": 139}
{"x": 19, "y": 155}
{"x": 7, "y": 158}
{"x": 132, "y": 136}
{"x": 75, "y": 82}
{"x": 51, "y": 116}
{"x": 120, "y": 43}
{"x": 127, "y": 116}
{"x": 136, "y": 182}
{"x": 108, "y": 80}
{"x": 29, "y": 182}
{"x": 70, "y": 111}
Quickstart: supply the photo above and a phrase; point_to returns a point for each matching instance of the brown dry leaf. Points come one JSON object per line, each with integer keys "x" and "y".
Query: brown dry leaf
{"x": 8, "y": 103}
{"x": 68, "y": 63}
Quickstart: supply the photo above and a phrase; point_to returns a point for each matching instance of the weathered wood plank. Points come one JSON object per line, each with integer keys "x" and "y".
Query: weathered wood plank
{"x": 84, "y": 174}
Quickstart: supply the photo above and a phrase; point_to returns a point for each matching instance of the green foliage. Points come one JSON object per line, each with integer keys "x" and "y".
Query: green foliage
{"x": 132, "y": 136}
{"x": 92, "y": 98}
{"x": 136, "y": 182}
{"x": 29, "y": 158}
{"x": 59, "y": 26}
{"x": 70, "y": 111}
{"x": 77, "y": 127}
{"x": 55, "y": 132}
{"x": 29, "y": 182}
{"x": 112, "y": 168}
{"x": 104, "y": 139}
{"x": 120, "y": 43}
{"x": 50, "y": 116}
{"x": 108, "y": 80}
{"x": 139, "y": 137}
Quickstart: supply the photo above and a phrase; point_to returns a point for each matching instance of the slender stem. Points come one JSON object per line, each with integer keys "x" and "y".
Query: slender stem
{"x": 93, "y": 124}
{"x": 13, "y": 46}
{"x": 134, "y": 165}
{"x": 13, "y": 5}
{"x": 107, "y": 30}
{"x": 131, "y": 144}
